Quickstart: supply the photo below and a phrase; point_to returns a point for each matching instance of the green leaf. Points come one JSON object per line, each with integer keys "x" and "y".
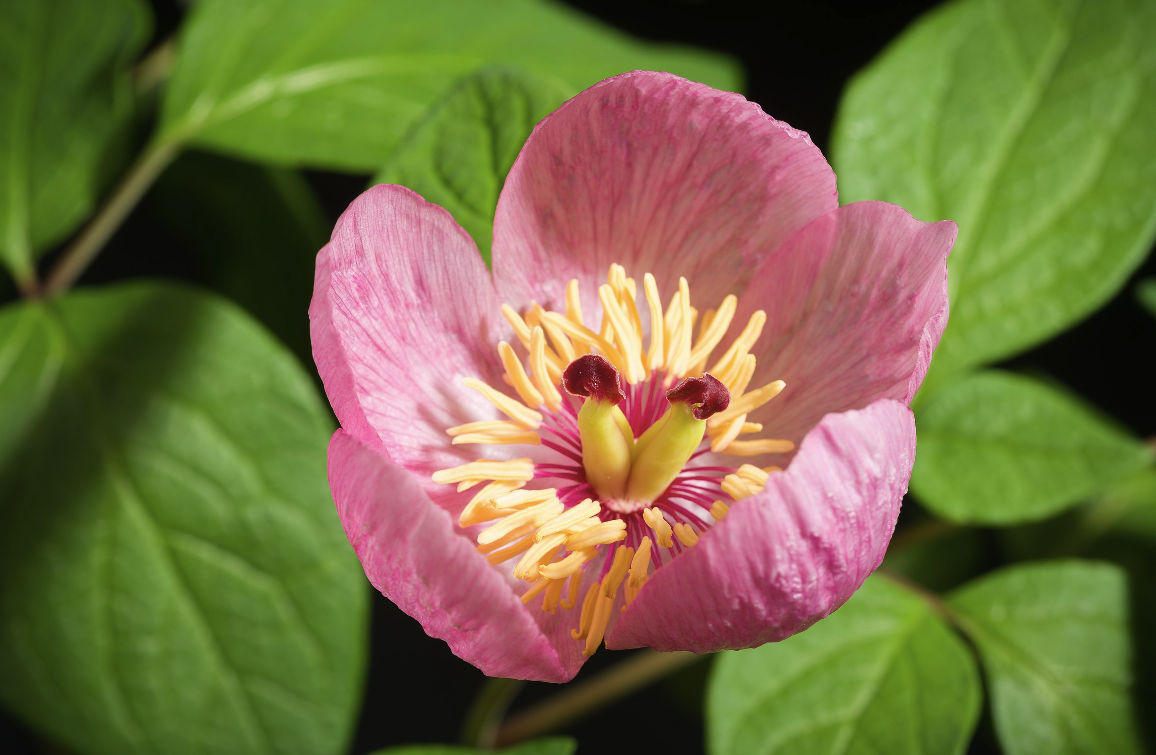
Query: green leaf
{"x": 173, "y": 576}
{"x": 256, "y": 231}
{"x": 549, "y": 746}
{"x": 1030, "y": 124}
{"x": 459, "y": 154}
{"x": 1053, "y": 638}
{"x": 998, "y": 448}
{"x": 1146, "y": 294}
{"x": 337, "y": 84}
{"x": 66, "y": 102}
{"x": 882, "y": 674}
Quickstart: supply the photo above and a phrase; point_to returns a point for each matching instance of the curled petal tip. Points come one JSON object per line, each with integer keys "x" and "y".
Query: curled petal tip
{"x": 591, "y": 376}
{"x": 707, "y": 394}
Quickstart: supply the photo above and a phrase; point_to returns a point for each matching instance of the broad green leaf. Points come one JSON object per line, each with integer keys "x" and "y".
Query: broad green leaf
{"x": 337, "y": 84}
{"x": 1146, "y": 294}
{"x": 173, "y": 577}
{"x": 550, "y": 746}
{"x": 882, "y": 674}
{"x": 64, "y": 105}
{"x": 459, "y": 154}
{"x": 998, "y": 448}
{"x": 256, "y": 231}
{"x": 1029, "y": 124}
{"x": 1053, "y": 638}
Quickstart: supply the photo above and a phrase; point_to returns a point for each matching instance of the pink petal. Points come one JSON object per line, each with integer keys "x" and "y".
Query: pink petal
{"x": 403, "y": 307}
{"x": 411, "y": 553}
{"x": 661, "y": 175}
{"x": 855, "y": 302}
{"x": 790, "y": 555}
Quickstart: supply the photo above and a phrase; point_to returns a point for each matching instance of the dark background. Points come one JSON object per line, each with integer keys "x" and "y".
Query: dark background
{"x": 798, "y": 57}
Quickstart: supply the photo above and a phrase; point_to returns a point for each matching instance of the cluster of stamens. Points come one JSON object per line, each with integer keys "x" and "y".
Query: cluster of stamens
{"x": 631, "y": 490}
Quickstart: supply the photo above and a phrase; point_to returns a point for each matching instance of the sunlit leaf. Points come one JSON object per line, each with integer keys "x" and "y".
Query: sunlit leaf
{"x": 64, "y": 105}
{"x": 459, "y": 154}
{"x": 173, "y": 577}
{"x": 999, "y": 448}
{"x": 337, "y": 84}
{"x": 1029, "y": 124}
{"x": 882, "y": 674}
{"x": 1053, "y": 638}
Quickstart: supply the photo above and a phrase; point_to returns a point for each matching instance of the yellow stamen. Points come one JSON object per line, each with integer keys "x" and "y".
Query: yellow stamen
{"x": 506, "y": 539}
{"x": 713, "y": 330}
{"x": 479, "y": 508}
{"x": 656, "y": 354}
{"x": 600, "y": 534}
{"x": 685, "y": 534}
{"x": 539, "y": 553}
{"x": 618, "y": 570}
{"x": 575, "y": 586}
{"x": 747, "y": 428}
{"x": 759, "y": 447}
{"x": 732, "y": 431}
{"x": 521, "y": 499}
{"x": 553, "y": 594}
{"x": 719, "y": 510}
{"x": 513, "y": 409}
{"x": 748, "y": 402}
{"x": 598, "y": 622}
{"x": 657, "y": 522}
{"x": 562, "y": 345}
{"x": 569, "y": 566}
{"x": 536, "y": 514}
{"x": 554, "y": 363}
{"x": 742, "y": 379}
{"x": 588, "y": 603}
{"x": 639, "y": 571}
{"x": 521, "y": 329}
{"x": 495, "y": 432}
{"x": 624, "y": 334}
{"x": 535, "y": 590}
{"x": 608, "y": 592}
{"x": 584, "y": 335}
{"x": 540, "y": 372}
{"x": 742, "y": 345}
{"x": 505, "y": 554}
{"x": 573, "y": 302}
{"x": 736, "y": 487}
{"x": 470, "y": 474}
{"x": 575, "y": 514}
{"x": 753, "y": 475}
{"x": 518, "y": 377}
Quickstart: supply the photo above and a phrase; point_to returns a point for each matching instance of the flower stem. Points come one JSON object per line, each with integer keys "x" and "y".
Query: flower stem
{"x": 641, "y": 669}
{"x": 140, "y": 176}
{"x": 480, "y": 729}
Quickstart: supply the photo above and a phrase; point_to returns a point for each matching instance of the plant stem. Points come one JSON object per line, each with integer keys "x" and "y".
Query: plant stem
{"x": 641, "y": 669}
{"x": 480, "y": 728}
{"x": 140, "y": 176}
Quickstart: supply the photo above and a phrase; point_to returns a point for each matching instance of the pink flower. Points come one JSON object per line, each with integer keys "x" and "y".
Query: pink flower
{"x": 511, "y": 499}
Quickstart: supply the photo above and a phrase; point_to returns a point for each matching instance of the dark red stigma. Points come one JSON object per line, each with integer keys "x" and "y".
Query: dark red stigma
{"x": 706, "y": 394}
{"x": 591, "y": 376}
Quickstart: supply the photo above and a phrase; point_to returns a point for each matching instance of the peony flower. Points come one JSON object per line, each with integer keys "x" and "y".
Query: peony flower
{"x": 674, "y": 416}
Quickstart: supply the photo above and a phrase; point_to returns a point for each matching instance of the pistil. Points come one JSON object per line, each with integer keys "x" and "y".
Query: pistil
{"x": 676, "y": 437}
{"x": 607, "y": 441}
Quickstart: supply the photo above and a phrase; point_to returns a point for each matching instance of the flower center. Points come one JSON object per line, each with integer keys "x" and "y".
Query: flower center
{"x": 621, "y": 485}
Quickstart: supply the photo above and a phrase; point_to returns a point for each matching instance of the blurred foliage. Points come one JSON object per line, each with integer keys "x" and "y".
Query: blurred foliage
{"x": 552, "y": 746}
{"x": 67, "y": 105}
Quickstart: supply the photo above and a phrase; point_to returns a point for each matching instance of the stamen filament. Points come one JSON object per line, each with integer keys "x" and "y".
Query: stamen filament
{"x": 518, "y": 377}
{"x": 748, "y": 402}
{"x": 515, "y": 410}
{"x": 607, "y": 532}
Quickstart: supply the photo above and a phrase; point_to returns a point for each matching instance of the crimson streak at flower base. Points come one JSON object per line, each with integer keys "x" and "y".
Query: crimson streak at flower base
{"x": 537, "y": 459}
